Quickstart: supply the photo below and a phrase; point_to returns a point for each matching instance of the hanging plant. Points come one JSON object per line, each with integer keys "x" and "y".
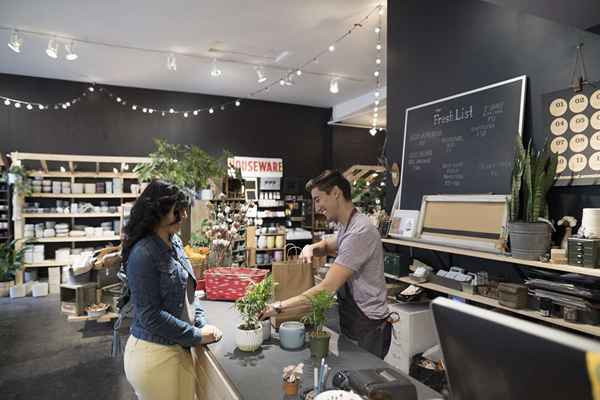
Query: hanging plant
{"x": 22, "y": 183}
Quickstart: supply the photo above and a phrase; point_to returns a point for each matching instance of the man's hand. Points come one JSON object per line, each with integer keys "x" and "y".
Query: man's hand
{"x": 210, "y": 334}
{"x": 307, "y": 253}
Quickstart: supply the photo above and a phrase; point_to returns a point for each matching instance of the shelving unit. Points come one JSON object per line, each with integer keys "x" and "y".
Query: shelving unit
{"x": 75, "y": 169}
{"x": 585, "y": 328}
{"x": 495, "y": 257}
{"x": 5, "y": 214}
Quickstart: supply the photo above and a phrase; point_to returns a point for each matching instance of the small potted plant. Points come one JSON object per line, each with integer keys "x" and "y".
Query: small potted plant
{"x": 10, "y": 262}
{"x": 292, "y": 375}
{"x": 249, "y": 333}
{"x": 264, "y": 292}
{"x": 533, "y": 175}
{"x": 320, "y": 303}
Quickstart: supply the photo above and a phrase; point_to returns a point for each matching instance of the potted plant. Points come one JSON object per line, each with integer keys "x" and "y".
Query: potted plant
{"x": 532, "y": 177}
{"x": 320, "y": 303}
{"x": 18, "y": 175}
{"x": 264, "y": 291}
{"x": 249, "y": 333}
{"x": 10, "y": 262}
{"x": 292, "y": 375}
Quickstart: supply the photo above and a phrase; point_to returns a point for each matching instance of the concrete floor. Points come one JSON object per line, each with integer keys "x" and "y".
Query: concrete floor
{"x": 42, "y": 356}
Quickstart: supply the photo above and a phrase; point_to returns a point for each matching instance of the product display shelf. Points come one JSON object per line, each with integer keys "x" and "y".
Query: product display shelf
{"x": 46, "y": 263}
{"x": 5, "y": 232}
{"x": 495, "y": 257}
{"x": 274, "y": 249}
{"x": 93, "y": 169}
{"x": 585, "y": 328}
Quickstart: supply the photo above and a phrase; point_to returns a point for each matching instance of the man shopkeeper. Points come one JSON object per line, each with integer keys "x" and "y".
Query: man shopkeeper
{"x": 357, "y": 273}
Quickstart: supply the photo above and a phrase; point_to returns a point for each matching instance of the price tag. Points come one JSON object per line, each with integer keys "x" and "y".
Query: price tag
{"x": 578, "y": 103}
{"x": 579, "y": 123}
{"x": 558, "y": 107}
{"x": 559, "y": 145}
{"x": 559, "y": 126}
{"x": 595, "y": 99}
{"x": 578, "y": 143}
{"x": 595, "y": 161}
{"x": 595, "y": 120}
{"x": 577, "y": 162}
{"x": 561, "y": 165}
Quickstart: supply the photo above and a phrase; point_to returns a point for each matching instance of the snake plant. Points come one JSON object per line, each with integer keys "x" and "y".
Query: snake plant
{"x": 532, "y": 177}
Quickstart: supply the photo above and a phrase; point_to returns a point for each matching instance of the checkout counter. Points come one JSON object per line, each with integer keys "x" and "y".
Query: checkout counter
{"x": 230, "y": 374}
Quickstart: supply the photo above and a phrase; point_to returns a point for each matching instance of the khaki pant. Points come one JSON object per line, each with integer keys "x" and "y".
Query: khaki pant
{"x": 159, "y": 372}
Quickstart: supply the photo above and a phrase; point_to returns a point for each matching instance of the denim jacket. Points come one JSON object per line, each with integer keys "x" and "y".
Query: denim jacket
{"x": 158, "y": 277}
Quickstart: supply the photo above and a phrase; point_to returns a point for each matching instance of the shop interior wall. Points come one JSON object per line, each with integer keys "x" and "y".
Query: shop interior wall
{"x": 437, "y": 48}
{"x": 353, "y": 146}
{"x": 98, "y": 126}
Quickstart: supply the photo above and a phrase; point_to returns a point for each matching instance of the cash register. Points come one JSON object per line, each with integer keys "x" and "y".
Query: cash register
{"x": 367, "y": 382}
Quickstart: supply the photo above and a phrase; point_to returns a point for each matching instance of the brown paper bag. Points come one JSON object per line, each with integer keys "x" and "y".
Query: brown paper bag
{"x": 293, "y": 277}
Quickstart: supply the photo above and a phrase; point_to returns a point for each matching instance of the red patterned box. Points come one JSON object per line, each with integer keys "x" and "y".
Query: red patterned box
{"x": 230, "y": 283}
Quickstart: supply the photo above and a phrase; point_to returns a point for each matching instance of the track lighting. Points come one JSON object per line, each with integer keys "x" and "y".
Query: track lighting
{"x": 15, "y": 41}
{"x": 70, "y": 49}
{"x": 171, "y": 62}
{"x": 334, "y": 86}
{"x": 215, "y": 72}
{"x": 52, "y": 49}
{"x": 261, "y": 74}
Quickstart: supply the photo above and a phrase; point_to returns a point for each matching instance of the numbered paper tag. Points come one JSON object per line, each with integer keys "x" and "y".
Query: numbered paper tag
{"x": 558, "y": 107}
{"x": 595, "y": 141}
{"x": 561, "y": 165}
{"x": 595, "y": 161}
{"x": 578, "y": 103}
{"x": 593, "y": 364}
{"x": 595, "y": 120}
{"x": 595, "y": 99}
{"x": 579, "y": 123}
{"x": 578, "y": 143}
{"x": 559, "y": 126}
{"x": 559, "y": 145}
{"x": 577, "y": 162}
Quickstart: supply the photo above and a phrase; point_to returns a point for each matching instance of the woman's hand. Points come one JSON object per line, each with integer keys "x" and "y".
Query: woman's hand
{"x": 210, "y": 334}
{"x": 307, "y": 253}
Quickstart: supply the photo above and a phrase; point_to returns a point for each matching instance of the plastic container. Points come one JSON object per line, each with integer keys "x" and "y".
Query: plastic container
{"x": 40, "y": 289}
{"x": 17, "y": 291}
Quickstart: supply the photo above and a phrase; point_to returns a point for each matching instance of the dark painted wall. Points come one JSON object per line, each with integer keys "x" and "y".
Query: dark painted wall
{"x": 298, "y": 134}
{"x": 437, "y": 48}
{"x": 355, "y": 146}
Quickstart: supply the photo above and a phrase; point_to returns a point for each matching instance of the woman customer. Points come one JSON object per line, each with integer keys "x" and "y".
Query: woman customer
{"x": 167, "y": 323}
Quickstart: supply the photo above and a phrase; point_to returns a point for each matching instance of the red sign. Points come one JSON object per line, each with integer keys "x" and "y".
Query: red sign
{"x": 255, "y": 167}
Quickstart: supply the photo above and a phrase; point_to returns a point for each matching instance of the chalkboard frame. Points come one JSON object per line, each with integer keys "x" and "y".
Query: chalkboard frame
{"x": 523, "y": 81}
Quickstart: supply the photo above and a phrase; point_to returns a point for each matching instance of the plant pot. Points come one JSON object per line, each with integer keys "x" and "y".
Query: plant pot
{"x": 248, "y": 340}
{"x": 319, "y": 345}
{"x": 291, "y": 335}
{"x": 529, "y": 241}
{"x": 291, "y": 388}
{"x": 5, "y": 288}
{"x": 266, "y": 327}
{"x": 206, "y": 194}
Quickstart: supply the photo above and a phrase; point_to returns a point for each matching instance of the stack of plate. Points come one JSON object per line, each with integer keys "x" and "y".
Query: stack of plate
{"x": 56, "y": 187}
{"x": 590, "y": 223}
{"x": 49, "y": 233}
{"x": 47, "y": 186}
{"x": 62, "y": 230}
{"x": 77, "y": 233}
{"x": 66, "y": 187}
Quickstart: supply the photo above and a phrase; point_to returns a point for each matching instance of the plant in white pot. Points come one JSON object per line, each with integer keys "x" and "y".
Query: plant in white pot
{"x": 249, "y": 333}
{"x": 320, "y": 303}
{"x": 10, "y": 262}
{"x": 532, "y": 177}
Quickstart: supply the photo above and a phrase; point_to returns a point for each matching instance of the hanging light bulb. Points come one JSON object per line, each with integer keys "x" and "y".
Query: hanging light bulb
{"x": 261, "y": 74}
{"x": 41, "y": 107}
{"x": 171, "y": 111}
{"x": 64, "y": 106}
{"x": 334, "y": 86}
{"x": 171, "y": 62}
{"x": 52, "y": 49}
{"x": 185, "y": 114}
{"x": 376, "y": 73}
{"x": 299, "y": 72}
{"x": 68, "y": 104}
{"x": 163, "y": 113}
{"x": 7, "y": 102}
{"x": 331, "y": 48}
{"x": 381, "y": 10}
{"x": 377, "y": 102}
{"x": 195, "y": 112}
{"x": 282, "y": 82}
{"x": 237, "y": 103}
{"x": 377, "y": 30}
{"x": 29, "y": 107}
{"x": 15, "y": 42}
{"x": 215, "y": 72}
{"x": 376, "y": 94}
{"x": 70, "y": 49}
{"x": 378, "y": 47}
{"x": 134, "y": 107}
{"x": 375, "y": 115}
{"x": 378, "y": 61}
{"x": 145, "y": 110}
{"x": 211, "y": 110}
{"x": 118, "y": 99}
{"x": 373, "y": 131}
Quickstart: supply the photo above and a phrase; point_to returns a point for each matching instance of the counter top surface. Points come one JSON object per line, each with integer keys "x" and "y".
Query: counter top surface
{"x": 257, "y": 376}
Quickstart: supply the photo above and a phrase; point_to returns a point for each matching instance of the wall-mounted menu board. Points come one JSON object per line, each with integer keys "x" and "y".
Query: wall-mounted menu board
{"x": 573, "y": 124}
{"x": 462, "y": 144}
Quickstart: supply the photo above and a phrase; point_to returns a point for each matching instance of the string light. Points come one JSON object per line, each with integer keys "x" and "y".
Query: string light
{"x": 185, "y": 114}
{"x": 237, "y": 103}
{"x": 144, "y": 110}
{"x": 91, "y": 89}
{"x": 7, "y": 102}
{"x": 331, "y": 48}
{"x": 282, "y": 82}
{"x": 373, "y": 131}
{"x": 118, "y": 99}
{"x": 195, "y": 112}
{"x": 299, "y": 72}
{"x": 40, "y": 106}
{"x": 171, "y": 111}
{"x": 29, "y": 107}
{"x": 211, "y": 110}
{"x": 134, "y": 107}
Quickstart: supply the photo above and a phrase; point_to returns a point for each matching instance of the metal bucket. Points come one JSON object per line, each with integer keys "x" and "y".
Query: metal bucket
{"x": 529, "y": 241}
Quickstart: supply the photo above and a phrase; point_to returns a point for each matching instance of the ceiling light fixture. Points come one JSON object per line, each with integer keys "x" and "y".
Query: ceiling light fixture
{"x": 171, "y": 62}
{"x": 52, "y": 49}
{"x": 334, "y": 86}
{"x": 373, "y": 131}
{"x": 211, "y": 110}
{"x": 70, "y": 49}
{"x": 195, "y": 112}
{"x": 261, "y": 74}
{"x": 215, "y": 72}
{"x": 15, "y": 42}
{"x": 237, "y": 103}
{"x": 299, "y": 72}
{"x": 7, "y": 102}
{"x": 331, "y": 48}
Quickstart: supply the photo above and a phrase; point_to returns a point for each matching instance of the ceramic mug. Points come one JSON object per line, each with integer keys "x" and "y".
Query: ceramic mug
{"x": 262, "y": 242}
{"x": 270, "y": 242}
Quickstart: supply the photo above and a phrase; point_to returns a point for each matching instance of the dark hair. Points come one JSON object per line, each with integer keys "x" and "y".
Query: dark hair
{"x": 328, "y": 180}
{"x": 153, "y": 204}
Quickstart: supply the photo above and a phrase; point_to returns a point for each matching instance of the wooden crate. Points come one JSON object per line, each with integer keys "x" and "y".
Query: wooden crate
{"x": 75, "y": 298}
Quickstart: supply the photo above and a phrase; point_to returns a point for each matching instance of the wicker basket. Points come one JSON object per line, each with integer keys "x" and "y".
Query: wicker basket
{"x": 231, "y": 283}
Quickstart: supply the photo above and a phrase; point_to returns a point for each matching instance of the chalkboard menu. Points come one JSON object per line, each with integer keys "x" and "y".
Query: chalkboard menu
{"x": 462, "y": 144}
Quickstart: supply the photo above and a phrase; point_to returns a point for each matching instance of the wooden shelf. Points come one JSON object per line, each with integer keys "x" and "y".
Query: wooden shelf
{"x": 84, "y": 196}
{"x": 97, "y": 175}
{"x": 277, "y": 249}
{"x": 46, "y": 263}
{"x": 586, "y": 328}
{"x": 495, "y": 257}
{"x": 271, "y": 234}
{"x": 77, "y": 239}
{"x": 79, "y": 215}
